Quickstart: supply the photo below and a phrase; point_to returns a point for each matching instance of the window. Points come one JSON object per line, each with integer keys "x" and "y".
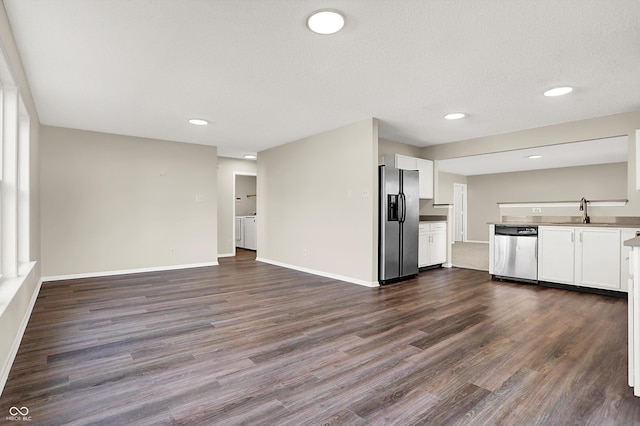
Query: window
{"x": 14, "y": 175}
{"x": 24, "y": 157}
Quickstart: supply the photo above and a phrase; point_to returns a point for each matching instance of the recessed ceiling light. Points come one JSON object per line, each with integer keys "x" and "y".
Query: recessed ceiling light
{"x": 250, "y": 156}
{"x": 198, "y": 122}
{"x": 534, "y": 157}
{"x": 558, "y": 91}
{"x": 326, "y": 21}
{"x": 455, "y": 116}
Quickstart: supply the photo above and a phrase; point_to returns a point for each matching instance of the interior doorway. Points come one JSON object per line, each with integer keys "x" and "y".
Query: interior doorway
{"x": 459, "y": 212}
{"x": 245, "y": 217}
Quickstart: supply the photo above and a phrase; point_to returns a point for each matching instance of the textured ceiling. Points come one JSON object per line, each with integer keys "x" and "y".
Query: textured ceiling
{"x": 143, "y": 67}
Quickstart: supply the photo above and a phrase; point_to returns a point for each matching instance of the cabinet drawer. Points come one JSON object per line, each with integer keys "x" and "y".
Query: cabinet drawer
{"x": 423, "y": 227}
{"x": 439, "y": 226}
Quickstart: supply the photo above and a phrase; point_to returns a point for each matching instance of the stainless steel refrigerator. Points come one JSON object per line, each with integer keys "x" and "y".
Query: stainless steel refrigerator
{"x": 398, "y": 230}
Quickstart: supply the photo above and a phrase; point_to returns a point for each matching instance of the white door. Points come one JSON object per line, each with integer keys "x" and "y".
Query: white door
{"x": 459, "y": 212}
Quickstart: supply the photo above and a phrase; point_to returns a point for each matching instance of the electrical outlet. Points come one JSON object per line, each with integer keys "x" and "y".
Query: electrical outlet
{"x": 199, "y": 198}
{"x": 537, "y": 210}
{"x": 305, "y": 252}
{"x": 171, "y": 250}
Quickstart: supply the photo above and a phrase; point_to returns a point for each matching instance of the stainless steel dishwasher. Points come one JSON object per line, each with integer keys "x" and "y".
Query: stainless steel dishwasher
{"x": 515, "y": 255}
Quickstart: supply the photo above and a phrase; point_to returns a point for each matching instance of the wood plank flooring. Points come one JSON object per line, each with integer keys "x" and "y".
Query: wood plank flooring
{"x": 252, "y": 343}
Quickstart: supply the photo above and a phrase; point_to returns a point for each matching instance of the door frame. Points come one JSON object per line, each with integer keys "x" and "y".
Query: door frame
{"x": 233, "y": 205}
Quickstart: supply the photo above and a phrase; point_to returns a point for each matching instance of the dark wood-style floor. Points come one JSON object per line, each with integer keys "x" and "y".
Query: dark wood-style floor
{"x": 251, "y": 343}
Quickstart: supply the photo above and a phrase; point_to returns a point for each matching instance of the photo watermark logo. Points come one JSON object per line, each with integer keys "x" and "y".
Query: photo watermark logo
{"x": 18, "y": 414}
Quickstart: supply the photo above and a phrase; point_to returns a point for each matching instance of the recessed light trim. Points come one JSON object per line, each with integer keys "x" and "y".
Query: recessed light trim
{"x": 325, "y": 21}
{"x": 250, "y": 156}
{"x": 558, "y": 91}
{"x": 534, "y": 157}
{"x": 455, "y": 116}
{"x": 198, "y": 122}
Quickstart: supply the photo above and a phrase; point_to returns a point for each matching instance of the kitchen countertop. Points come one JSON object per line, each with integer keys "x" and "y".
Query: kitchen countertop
{"x": 433, "y": 218}
{"x": 596, "y": 221}
{"x": 634, "y": 242}
{"x": 587, "y": 225}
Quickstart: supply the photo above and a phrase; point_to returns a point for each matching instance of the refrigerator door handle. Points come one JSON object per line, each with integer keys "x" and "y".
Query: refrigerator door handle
{"x": 403, "y": 215}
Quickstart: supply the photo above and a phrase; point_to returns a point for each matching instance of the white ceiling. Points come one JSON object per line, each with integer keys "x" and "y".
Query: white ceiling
{"x": 598, "y": 151}
{"x": 143, "y": 67}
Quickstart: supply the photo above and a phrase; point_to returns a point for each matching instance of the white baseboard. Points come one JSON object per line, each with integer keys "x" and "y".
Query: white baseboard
{"x": 6, "y": 368}
{"x": 226, "y": 255}
{"x": 474, "y": 241}
{"x": 127, "y": 271}
{"x": 320, "y": 273}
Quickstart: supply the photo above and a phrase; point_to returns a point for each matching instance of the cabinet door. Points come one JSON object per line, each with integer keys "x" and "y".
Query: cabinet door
{"x": 556, "y": 259}
{"x": 425, "y": 168}
{"x": 406, "y": 162}
{"x": 598, "y": 257}
{"x": 438, "y": 247}
{"x": 423, "y": 249}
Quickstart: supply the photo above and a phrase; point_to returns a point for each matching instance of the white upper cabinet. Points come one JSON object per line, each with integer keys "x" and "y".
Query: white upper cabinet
{"x": 425, "y": 172}
{"x": 405, "y": 162}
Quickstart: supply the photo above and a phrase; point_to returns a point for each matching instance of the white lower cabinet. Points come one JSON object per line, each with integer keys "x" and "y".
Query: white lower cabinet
{"x": 583, "y": 256}
{"x": 598, "y": 258}
{"x": 556, "y": 254}
{"x": 432, "y": 243}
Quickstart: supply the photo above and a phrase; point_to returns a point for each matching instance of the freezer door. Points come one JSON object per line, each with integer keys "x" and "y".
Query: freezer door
{"x": 411, "y": 215}
{"x": 389, "y": 232}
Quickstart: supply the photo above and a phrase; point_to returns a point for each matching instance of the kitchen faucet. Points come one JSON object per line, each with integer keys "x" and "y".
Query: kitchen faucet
{"x": 583, "y": 209}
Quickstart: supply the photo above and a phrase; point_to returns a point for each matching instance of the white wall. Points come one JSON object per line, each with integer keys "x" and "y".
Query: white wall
{"x": 388, "y": 147}
{"x": 119, "y": 203}
{"x": 227, "y": 168}
{"x": 444, "y": 194}
{"x": 317, "y": 203}
{"x": 596, "y": 182}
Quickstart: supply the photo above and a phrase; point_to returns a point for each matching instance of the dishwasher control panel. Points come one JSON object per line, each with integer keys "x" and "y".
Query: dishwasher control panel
{"x": 516, "y": 230}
